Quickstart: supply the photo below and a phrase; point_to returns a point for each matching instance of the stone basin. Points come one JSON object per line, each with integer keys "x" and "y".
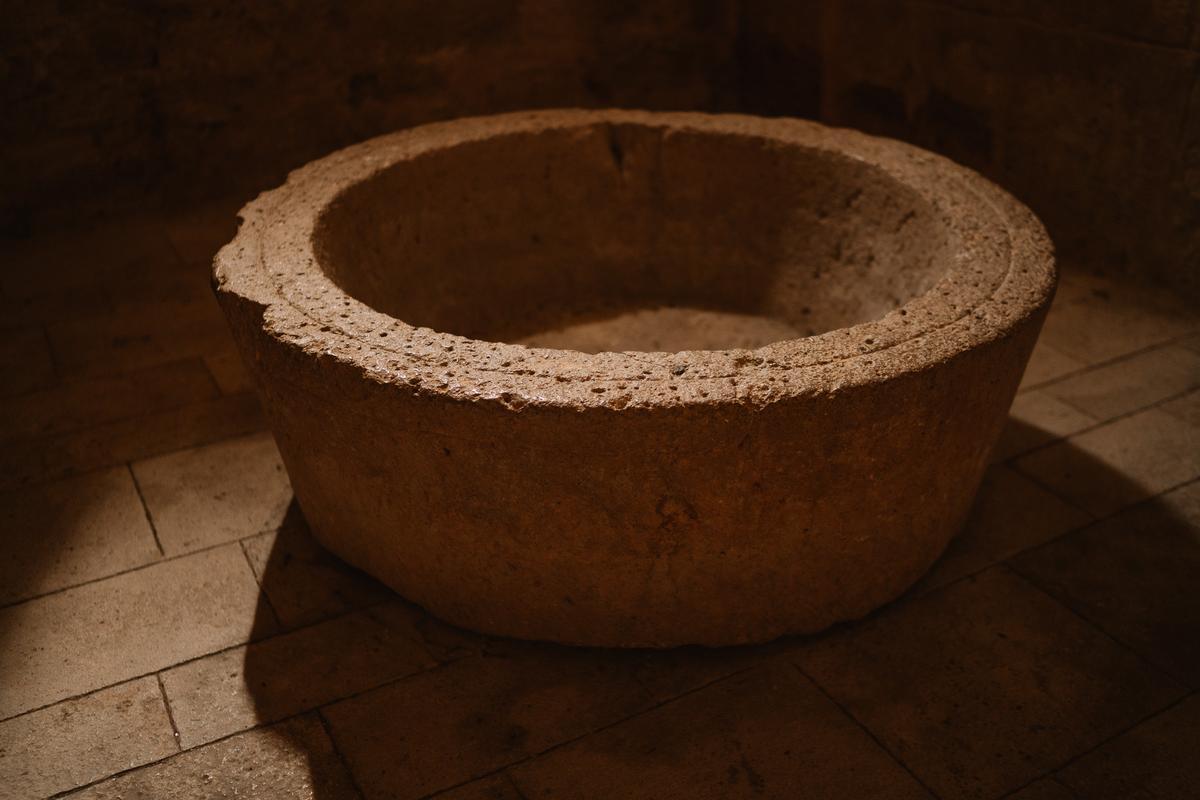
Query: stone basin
{"x": 636, "y": 379}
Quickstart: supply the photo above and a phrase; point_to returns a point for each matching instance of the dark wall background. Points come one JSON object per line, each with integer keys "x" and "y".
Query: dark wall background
{"x": 1089, "y": 110}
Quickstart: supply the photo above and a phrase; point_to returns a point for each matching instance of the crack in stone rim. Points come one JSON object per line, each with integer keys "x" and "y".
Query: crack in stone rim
{"x": 278, "y": 218}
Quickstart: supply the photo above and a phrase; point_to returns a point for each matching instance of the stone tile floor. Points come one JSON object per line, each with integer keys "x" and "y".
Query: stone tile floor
{"x": 169, "y": 629}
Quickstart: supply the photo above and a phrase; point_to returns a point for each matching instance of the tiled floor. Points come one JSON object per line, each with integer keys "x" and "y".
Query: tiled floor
{"x": 168, "y": 628}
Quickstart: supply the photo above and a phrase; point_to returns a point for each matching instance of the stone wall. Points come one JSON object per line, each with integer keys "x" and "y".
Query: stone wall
{"x": 108, "y": 102}
{"x": 1088, "y": 111}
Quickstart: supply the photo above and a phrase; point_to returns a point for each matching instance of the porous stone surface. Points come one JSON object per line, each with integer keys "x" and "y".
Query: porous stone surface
{"x": 862, "y": 309}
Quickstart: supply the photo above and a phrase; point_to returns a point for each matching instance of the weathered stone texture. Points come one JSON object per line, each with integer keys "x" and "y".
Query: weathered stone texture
{"x": 727, "y": 493}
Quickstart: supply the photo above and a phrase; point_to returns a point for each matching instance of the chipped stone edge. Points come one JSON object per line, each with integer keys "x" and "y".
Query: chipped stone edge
{"x": 1002, "y": 273}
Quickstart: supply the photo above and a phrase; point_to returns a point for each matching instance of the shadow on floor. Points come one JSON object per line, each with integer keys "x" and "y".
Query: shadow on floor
{"x": 978, "y": 686}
